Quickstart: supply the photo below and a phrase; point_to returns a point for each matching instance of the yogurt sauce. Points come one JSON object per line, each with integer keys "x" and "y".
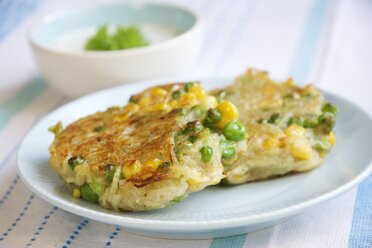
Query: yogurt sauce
{"x": 74, "y": 41}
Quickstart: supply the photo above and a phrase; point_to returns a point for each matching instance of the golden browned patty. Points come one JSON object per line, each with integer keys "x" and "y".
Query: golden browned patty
{"x": 148, "y": 154}
{"x": 289, "y": 127}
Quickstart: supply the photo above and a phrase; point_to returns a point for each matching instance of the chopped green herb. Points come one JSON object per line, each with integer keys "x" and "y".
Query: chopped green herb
{"x": 206, "y": 153}
{"x": 75, "y": 161}
{"x": 122, "y": 38}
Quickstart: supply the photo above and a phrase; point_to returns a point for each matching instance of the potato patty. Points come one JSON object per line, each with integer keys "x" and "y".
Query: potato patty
{"x": 289, "y": 128}
{"x": 167, "y": 142}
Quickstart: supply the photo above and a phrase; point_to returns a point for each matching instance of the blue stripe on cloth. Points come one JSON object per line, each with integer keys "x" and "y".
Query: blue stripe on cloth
{"x": 41, "y": 227}
{"x": 112, "y": 237}
{"x": 9, "y": 191}
{"x": 75, "y": 233}
{"x": 361, "y": 227}
{"x": 12, "y": 12}
{"x": 301, "y": 67}
{"x": 308, "y": 44}
{"x": 18, "y": 219}
{"x": 20, "y": 100}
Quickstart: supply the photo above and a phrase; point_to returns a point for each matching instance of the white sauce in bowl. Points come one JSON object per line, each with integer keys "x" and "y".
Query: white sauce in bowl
{"x": 74, "y": 41}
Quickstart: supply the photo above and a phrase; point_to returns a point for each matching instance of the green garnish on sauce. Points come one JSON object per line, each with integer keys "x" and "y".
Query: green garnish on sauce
{"x": 122, "y": 38}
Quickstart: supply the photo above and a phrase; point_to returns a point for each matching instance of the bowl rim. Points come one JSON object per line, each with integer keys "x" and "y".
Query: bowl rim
{"x": 191, "y": 31}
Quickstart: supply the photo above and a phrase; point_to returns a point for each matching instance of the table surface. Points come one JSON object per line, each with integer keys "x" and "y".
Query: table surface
{"x": 324, "y": 42}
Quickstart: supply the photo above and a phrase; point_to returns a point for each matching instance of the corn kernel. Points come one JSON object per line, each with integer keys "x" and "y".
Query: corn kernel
{"x": 122, "y": 117}
{"x": 132, "y": 168}
{"x": 270, "y": 143}
{"x": 301, "y": 150}
{"x": 173, "y": 104}
{"x": 192, "y": 182}
{"x": 198, "y": 91}
{"x": 76, "y": 193}
{"x": 188, "y": 99}
{"x": 295, "y": 130}
{"x": 228, "y": 112}
{"x": 144, "y": 101}
{"x": 131, "y": 108}
{"x": 159, "y": 92}
{"x": 153, "y": 163}
{"x": 332, "y": 138}
{"x": 160, "y": 106}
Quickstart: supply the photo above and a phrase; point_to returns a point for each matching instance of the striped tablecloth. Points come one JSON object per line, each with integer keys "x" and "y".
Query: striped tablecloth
{"x": 326, "y": 42}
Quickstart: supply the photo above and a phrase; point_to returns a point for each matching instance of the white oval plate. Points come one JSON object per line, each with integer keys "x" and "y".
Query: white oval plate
{"x": 216, "y": 211}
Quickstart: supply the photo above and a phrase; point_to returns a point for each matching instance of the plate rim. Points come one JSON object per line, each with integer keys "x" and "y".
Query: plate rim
{"x": 192, "y": 225}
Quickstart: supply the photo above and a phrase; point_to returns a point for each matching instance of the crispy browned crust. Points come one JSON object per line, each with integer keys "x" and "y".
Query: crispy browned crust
{"x": 105, "y": 138}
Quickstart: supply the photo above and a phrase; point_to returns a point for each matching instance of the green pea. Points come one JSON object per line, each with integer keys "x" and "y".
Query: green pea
{"x": 235, "y": 131}
{"x": 193, "y": 127}
{"x": 177, "y": 94}
{"x": 193, "y": 138}
{"x": 329, "y": 108}
{"x": 213, "y": 116}
{"x": 110, "y": 170}
{"x": 228, "y": 149}
{"x": 323, "y": 145}
{"x": 326, "y": 122}
{"x": 296, "y": 120}
{"x": 274, "y": 118}
{"x": 75, "y": 161}
{"x": 206, "y": 153}
{"x": 188, "y": 86}
{"x": 165, "y": 165}
{"x": 88, "y": 194}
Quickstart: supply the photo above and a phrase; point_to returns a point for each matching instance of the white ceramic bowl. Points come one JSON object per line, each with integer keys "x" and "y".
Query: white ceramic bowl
{"x": 77, "y": 72}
